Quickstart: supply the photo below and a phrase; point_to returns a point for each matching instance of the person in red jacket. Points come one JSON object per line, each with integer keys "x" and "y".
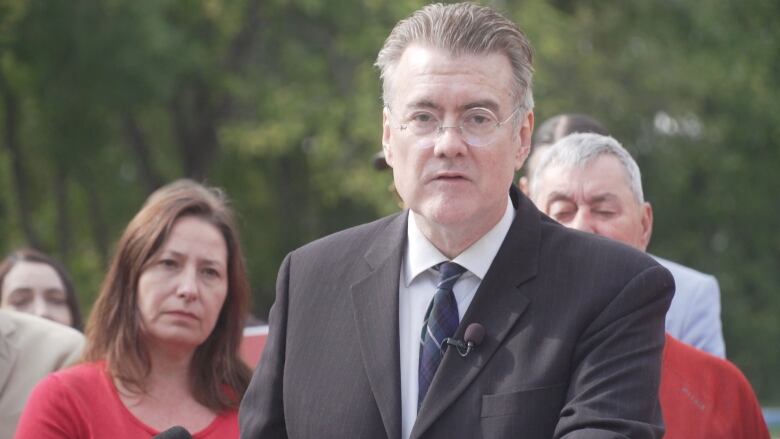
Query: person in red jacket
{"x": 703, "y": 396}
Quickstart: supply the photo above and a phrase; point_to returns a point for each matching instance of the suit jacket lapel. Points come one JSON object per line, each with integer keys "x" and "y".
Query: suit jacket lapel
{"x": 497, "y": 305}
{"x": 375, "y": 305}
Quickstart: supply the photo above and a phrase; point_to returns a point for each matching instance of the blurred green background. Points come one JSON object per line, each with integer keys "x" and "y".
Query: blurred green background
{"x": 276, "y": 101}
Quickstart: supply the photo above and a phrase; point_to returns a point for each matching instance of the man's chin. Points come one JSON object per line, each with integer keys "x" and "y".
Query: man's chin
{"x": 451, "y": 211}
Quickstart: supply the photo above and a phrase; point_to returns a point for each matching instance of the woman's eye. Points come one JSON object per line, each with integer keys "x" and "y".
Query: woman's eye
{"x": 57, "y": 298}
{"x": 168, "y": 263}
{"x": 211, "y": 272}
{"x": 20, "y": 301}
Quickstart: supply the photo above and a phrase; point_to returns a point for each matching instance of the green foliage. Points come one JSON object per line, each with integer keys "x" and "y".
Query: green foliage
{"x": 278, "y": 103}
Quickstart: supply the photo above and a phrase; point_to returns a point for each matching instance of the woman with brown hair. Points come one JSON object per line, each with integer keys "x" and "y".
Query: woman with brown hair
{"x": 35, "y": 283}
{"x": 163, "y": 336}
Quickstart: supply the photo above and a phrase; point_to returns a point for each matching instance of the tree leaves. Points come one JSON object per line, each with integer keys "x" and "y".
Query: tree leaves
{"x": 278, "y": 103}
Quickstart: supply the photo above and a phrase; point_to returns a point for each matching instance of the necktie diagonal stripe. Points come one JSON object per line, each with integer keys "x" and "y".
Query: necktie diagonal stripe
{"x": 441, "y": 321}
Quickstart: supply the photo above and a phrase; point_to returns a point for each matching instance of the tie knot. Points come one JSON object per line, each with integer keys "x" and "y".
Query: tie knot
{"x": 449, "y": 272}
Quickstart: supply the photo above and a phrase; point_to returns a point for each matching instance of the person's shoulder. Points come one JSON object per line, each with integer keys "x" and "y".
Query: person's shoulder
{"x": 590, "y": 250}
{"x": 600, "y": 268}
{"x": 578, "y": 253}
{"x": 82, "y": 374}
{"x": 66, "y": 381}
{"x": 348, "y": 240}
{"x": 27, "y": 329}
{"x": 680, "y": 355}
{"x": 682, "y": 272}
{"x": 715, "y": 374}
{"x": 56, "y": 398}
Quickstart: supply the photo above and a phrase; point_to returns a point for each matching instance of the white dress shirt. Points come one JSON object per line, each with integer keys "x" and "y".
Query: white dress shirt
{"x": 416, "y": 289}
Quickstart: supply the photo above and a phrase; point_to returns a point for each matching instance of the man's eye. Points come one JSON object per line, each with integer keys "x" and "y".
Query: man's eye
{"x": 563, "y": 216}
{"x": 562, "y": 211}
{"x": 423, "y": 118}
{"x": 477, "y": 119}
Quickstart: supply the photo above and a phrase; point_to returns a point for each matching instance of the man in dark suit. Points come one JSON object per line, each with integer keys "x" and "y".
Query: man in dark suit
{"x": 365, "y": 329}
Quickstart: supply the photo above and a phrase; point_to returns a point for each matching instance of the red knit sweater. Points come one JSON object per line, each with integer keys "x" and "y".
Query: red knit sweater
{"x": 82, "y": 403}
{"x": 703, "y": 396}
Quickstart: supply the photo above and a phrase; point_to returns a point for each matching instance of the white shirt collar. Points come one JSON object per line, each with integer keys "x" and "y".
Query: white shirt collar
{"x": 422, "y": 255}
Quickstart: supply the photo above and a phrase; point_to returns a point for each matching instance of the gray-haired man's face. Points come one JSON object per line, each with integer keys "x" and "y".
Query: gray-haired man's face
{"x": 447, "y": 181}
{"x": 596, "y": 198}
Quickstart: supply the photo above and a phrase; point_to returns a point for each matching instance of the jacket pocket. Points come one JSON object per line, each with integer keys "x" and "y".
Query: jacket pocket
{"x": 534, "y": 412}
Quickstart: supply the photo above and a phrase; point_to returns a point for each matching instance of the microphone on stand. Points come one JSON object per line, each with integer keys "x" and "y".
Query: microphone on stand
{"x": 472, "y": 338}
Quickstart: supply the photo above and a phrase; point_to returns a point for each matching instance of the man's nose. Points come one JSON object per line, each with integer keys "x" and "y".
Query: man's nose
{"x": 583, "y": 222}
{"x": 449, "y": 142}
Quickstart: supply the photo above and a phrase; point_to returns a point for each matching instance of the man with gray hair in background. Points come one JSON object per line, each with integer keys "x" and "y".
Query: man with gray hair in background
{"x": 469, "y": 314}
{"x": 591, "y": 183}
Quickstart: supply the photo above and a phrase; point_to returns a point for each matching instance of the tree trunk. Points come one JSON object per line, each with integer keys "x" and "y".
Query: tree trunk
{"x": 195, "y": 123}
{"x": 136, "y": 139}
{"x": 63, "y": 221}
{"x": 19, "y": 177}
{"x": 99, "y": 227}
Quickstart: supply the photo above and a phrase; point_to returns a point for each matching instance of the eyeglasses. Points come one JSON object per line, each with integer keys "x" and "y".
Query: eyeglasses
{"x": 477, "y": 126}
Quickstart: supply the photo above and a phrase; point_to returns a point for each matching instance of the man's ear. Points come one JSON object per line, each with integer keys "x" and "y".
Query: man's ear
{"x": 526, "y": 130}
{"x": 522, "y": 183}
{"x": 386, "y": 137}
{"x": 647, "y": 224}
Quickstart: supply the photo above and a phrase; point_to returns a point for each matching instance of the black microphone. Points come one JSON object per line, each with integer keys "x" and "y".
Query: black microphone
{"x": 472, "y": 338}
{"x": 176, "y": 432}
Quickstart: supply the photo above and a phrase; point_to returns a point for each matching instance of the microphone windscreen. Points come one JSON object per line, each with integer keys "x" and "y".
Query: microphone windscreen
{"x": 474, "y": 334}
{"x": 176, "y": 432}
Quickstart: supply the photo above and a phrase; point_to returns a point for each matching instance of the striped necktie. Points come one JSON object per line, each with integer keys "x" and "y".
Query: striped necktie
{"x": 441, "y": 321}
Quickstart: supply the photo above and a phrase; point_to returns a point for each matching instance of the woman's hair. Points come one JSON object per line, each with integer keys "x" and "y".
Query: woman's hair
{"x": 32, "y": 255}
{"x": 114, "y": 327}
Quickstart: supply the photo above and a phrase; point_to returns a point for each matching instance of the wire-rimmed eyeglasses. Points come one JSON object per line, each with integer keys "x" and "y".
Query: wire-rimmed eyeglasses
{"x": 477, "y": 126}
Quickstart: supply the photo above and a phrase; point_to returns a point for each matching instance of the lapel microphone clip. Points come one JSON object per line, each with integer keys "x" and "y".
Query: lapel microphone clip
{"x": 472, "y": 338}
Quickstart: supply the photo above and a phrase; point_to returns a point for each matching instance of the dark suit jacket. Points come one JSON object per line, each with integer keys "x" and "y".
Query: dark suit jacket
{"x": 574, "y": 330}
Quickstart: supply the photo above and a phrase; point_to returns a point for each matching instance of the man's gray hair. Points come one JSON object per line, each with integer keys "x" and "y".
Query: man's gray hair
{"x": 461, "y": 28}
{"x": 578, "y": 150}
